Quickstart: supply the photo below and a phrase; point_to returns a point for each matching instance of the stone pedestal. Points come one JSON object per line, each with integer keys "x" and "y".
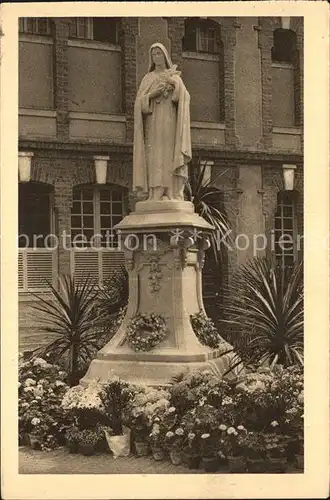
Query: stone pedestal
{"x": 164, "y": 244}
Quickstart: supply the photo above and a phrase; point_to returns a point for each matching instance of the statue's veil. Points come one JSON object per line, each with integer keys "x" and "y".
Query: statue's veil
{"x": 168, "y": 61}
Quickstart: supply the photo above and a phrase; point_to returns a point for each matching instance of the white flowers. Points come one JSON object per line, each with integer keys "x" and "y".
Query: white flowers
{"x": 179, "y": 431}
{"x": 28, "y": 389}
{"x": 40, "y": 362}
{"x": 29, "y": 382}
{"x": 222, "y": 427}
{"x": 274, "y": 423}
{"x": 241, "y": 428}
{"x": 59, "y": 383}
{"x": 231, "y": 430}
{"x": 171, "y": 409}
{"x": 205, "y": 436}
{"x": 191, "y": 436}
{"x": 35, "y": 421}
{"x": 169, "y": 434}
{"x": 227, "y": 400}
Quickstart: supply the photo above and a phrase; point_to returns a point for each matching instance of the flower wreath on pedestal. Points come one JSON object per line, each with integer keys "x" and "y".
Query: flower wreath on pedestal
{"x": 145, "y": 331}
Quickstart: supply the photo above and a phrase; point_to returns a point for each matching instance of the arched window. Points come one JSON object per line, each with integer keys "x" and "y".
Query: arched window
{"x": 203, "y": 55}
{"x": 37, "y": 256}
{"x": 95, "y": 211}
{"x": 35, "y": 218}
{"x": 286, "y": 230}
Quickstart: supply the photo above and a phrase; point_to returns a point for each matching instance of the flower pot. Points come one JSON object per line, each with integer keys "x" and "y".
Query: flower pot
{"x": 72, "y": 446}
{"x": 24, "y": 440}
{"x": 34, "y": 442}
{"x": 193, "y": 461}
{"x": 86, "y": 449}
{"x": 141, "y": 448}
{"x": 210, "y": 464}
{"x": 256, "y": 465}
{"x": 158, "y": 454}
{"x": 119, "y": 445}
{"x": 176, "y": 457}
{"x": 277, "y": 465}
{"x": 236, "y": 464}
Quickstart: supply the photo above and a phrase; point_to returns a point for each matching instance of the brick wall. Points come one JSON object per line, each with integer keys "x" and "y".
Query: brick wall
{"x": 60, "y": 35}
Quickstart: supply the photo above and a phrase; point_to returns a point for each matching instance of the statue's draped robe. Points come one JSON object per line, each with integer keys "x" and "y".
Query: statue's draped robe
{"x": 162, "y": 145}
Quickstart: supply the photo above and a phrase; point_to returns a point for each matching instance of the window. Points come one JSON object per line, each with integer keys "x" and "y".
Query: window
{"x": 284, "y": 47}
{"x": 285, "y": 230}
{"x": 100, "y": 29}
{"x": 202, "y": 35}
{"x": 35, "y": 25}
{"x": 37, "y": 256}
{"x": 35, "y": 214}
{"x": 95, "y": 211}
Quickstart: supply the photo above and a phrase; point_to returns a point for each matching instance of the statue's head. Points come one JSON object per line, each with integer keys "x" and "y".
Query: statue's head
{"x": 158, "y": 55}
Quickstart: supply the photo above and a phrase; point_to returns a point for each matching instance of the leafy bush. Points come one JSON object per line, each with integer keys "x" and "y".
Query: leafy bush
{"x": 40, "y": 391}
{"x": 269, "y": 309}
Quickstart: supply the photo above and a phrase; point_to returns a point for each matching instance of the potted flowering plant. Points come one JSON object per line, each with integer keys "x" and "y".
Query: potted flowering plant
{"x": 253, "y": 447}
{"x": 276, "y": 449}
{"x": 156, "y": 440}
{"x": 72, "y": 438}
{"x": 191, "y": 452}
{"x": 231, "y": 445}
{"x": 87, "y": 439}
{"x": 173, "y": 443}
{"x": 209, "y": 452}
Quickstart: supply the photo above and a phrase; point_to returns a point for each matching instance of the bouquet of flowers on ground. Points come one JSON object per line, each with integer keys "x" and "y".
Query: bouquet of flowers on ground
{"x": 40, "y": 390}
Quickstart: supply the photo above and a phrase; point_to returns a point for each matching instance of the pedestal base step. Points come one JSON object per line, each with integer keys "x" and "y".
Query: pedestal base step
{"x": 156, "y": 373}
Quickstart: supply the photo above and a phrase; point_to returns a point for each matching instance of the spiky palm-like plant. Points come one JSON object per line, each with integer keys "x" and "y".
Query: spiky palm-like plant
{"x": 205, "y": 197}
{"x": 70, "y": 316}
{"x": 268, "y": 306}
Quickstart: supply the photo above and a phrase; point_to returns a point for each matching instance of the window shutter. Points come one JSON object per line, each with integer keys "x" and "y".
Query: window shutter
{"x": 21, "y": 277}
{"x": 40, "y": 267}
{"x": 110, "y": 262}
{"x": 85, "y": 263}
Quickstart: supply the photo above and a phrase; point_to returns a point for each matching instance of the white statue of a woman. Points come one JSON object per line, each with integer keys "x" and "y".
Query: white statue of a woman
{"x": 162, "y": 144}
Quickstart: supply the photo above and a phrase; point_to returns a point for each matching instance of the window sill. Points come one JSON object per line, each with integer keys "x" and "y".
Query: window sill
{"x": 282, "y": 65}
{"x": 92, "y": 44}
{"x": 204, "y": 56}
{"x": 98, "y": 117}
{"x": 208, "y": 125}
{"x": 46, "y": 113}
{"x": 42, "y": 39}
{"x": 287, "y": 130}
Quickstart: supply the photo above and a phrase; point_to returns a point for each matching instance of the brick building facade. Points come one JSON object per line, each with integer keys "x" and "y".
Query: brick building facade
{"x": 77, "y": 85}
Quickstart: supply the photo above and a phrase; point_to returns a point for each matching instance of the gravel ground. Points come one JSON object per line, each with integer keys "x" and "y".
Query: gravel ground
{"x": 62, "y": 462}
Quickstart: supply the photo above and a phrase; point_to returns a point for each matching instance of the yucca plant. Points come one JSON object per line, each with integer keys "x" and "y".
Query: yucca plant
{"x": 71, "y": 317}
{"x": 267, "y": 306}
{"x": 113, "y": 294}
{"x": 205, "y": 197}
